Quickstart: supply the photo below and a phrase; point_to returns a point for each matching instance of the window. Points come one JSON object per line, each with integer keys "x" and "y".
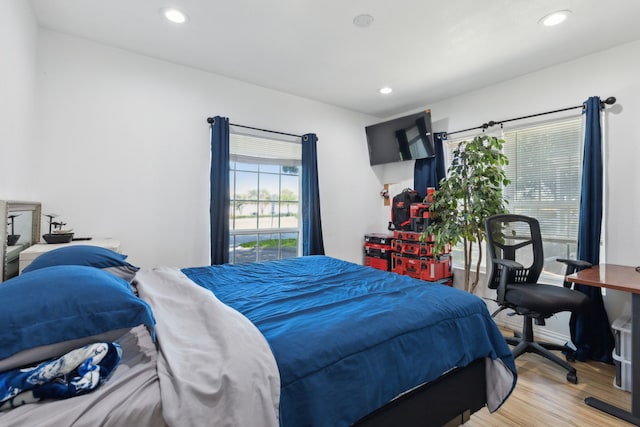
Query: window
{"x": 545, "y": 165}
{"x": 264, "y": 198}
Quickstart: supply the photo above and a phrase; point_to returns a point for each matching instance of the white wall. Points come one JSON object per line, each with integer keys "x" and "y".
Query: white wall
{"x": 119, "y": 146}
{"x": 124, "y": 152}
{"x": 18, "y": 44}
{"x": 609, "y": 73}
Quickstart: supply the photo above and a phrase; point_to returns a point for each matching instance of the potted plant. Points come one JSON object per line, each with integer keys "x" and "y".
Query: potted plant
{"x": 471, "y": 192}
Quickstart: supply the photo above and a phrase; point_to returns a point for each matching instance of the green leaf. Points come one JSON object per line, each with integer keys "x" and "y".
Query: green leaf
{"x": 471, "y": 192}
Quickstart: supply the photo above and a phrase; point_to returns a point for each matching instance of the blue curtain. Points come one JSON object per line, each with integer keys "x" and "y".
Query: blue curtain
{"x": 590, "y": 331}
{"x": 429, "y": 172}
{"x": 219, "y": 201}
{"x": 312, "y": 243}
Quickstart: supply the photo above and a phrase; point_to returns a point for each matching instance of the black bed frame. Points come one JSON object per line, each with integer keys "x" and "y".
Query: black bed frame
{"x": 448, "y": 401}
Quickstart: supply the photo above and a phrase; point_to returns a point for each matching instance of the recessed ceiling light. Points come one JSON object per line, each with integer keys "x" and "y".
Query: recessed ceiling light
{"x": 385, "y": 90}
{"x": 555, "y": 18}
{"x": 174, "y": 15}
{"x": 363, "y": 21}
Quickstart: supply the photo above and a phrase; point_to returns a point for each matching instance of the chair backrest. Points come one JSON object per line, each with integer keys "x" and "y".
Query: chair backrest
{"x": 516, "y": 238}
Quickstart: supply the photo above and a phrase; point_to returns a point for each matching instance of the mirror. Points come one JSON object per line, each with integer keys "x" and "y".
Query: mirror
{"x": 21, "y": 230}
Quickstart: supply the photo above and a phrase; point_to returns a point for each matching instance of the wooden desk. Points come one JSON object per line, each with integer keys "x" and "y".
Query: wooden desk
{"x": 627, "y": 279}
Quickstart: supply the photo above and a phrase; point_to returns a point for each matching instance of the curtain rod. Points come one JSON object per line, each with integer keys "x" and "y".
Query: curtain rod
{"x": 210, "y": 120}
{"x": 610, "y": 101}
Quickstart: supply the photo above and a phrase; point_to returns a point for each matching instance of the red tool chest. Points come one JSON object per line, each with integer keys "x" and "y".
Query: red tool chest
{"x": 377, "y": 251}
{"x": 409, "y": 252}
{"x": 424, "y": 268}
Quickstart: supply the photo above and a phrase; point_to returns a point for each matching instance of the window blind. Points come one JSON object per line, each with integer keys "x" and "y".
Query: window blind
{"x": 545, "y": 166}
{"x": 545, "y": 171}
{"x": 245, "y": 148}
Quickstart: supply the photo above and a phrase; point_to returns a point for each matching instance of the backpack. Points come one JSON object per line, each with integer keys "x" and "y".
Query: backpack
{"x": 401, "y": 209}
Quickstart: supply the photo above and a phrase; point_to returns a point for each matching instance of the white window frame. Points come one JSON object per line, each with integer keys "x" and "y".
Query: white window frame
{"x": 263, "y": 149}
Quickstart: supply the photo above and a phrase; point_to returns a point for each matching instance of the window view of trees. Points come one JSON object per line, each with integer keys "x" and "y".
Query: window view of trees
{"x": 264, "y": 210}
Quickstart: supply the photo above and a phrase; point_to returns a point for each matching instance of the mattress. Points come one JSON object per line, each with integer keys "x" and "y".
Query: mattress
{"x": 352, "y": 338}
{"x": 306, "y": 341}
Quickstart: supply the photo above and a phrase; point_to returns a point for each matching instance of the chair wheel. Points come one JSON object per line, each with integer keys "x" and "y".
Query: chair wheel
{"x": 570, "y": 357}
{"x": 572, "y": 378}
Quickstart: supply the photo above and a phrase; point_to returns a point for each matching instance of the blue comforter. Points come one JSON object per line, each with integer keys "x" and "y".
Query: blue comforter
{"x": 351, "y": 338}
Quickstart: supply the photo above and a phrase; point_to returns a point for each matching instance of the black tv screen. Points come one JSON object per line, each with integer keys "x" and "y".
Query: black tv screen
{"x": 404, "y": 138}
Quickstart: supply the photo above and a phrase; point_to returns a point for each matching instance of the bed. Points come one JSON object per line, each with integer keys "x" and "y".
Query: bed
{"x": 304, "y": 341}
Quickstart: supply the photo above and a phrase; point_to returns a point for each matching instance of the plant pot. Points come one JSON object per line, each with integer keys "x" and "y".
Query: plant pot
{"x": 12, "y": 239}
{"x": 58, "y": 237}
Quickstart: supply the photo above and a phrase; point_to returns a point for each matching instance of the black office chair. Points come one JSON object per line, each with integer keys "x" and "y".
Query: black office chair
{"x": 515, "y": 247}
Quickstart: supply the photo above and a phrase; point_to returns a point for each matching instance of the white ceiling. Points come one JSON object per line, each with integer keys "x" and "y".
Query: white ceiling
{"x": 426, "y": 50}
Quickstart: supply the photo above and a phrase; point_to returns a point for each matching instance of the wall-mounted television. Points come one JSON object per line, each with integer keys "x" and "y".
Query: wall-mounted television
{"x": 405, "y": 138}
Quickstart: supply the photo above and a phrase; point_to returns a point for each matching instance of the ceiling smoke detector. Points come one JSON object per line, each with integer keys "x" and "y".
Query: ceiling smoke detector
{"x": 363, "y": 21}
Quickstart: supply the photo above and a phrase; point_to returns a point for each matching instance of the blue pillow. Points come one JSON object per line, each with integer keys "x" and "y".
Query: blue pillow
{"x": 92, "y": 256}
{"x": 66, "y": 302}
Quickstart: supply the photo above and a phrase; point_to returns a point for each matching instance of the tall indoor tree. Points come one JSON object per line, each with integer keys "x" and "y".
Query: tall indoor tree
{"x": 471, "y": 192}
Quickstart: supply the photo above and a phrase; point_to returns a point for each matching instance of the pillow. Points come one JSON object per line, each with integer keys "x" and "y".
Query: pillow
{"x": 92, "y": 256}
{"x": 68, "y": 302}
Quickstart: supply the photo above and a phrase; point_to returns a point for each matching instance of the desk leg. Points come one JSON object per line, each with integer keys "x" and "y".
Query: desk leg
{"x": 634, "y": 416}
{"x": 635, "y": 354}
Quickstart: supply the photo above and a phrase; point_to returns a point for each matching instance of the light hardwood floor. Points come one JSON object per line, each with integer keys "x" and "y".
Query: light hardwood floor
{"x": 543, "y": 397}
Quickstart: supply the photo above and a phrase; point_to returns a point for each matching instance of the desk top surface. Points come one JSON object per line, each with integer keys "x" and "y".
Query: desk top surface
{"x": 612, "y": 276}
{"x": 39, "y": 248}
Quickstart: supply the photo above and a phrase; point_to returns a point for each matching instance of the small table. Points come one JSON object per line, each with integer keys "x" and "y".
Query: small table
{"x": 29, "y": 254}
{"x": 627, "y": 279}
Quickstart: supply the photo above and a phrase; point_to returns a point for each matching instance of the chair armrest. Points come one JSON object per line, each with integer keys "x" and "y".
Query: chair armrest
{"x": 577, "y": 263}
{"x": 573, "y": 265}
{"x": 507, "y": 265}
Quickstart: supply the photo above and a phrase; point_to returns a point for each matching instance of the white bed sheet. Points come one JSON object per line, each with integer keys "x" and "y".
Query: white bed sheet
{"x": 215, "y": 367}
{"x": 131, "y": 396}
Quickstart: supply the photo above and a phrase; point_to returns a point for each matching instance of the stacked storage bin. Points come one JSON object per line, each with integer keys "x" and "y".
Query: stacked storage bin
{"x": 377, "y": 251}
{"x": 622, "y": 352}
{"x": 412, "y": 257}
{"x": 416, "y": 258}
